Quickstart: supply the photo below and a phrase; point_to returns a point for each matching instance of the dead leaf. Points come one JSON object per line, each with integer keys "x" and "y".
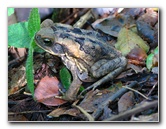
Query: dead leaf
{"x": 113, "y": 24}
{"x": 155, "y": 70}
{"x": 90, "y": 103}
{"x": 128, "y": 40}
{"x": 136, "y": 68}
{"x": 145, "y": 31}
{"x": 17, "y": 117}
{"x": 46, "y": 91}
{"x": 146, "y": 118}
{"x": 126, "y": 101}
{"x": 155, "y": 59}
{"x": 16, "y": 79}
{"x": 64, "y": 111}
{"x": 134, "y": 12}
{"x": 137, "y": 56}
{"x": 150, "y": 17}
{"x": 17, "y": 52}
{"x": 94, "y": 98}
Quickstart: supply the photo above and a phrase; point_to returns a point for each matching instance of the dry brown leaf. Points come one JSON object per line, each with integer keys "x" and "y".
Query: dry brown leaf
{"x": 113, "y": 24}
{"x": 16, "y": 79}
{"x": 126, "y": 101}
{"x": 150, "y": 17}
{"x": 64, "y": 111}
{"x": 137, "y": 56}
{"x": 46, "y": 91}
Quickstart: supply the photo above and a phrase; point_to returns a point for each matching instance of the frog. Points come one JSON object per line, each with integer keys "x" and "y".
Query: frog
{"x": 88, "y": 56}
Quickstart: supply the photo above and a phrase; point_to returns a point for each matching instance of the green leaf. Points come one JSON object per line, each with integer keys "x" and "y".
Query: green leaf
{"x": 34, "y": 22}
{"x": 128, "y": 40}
{"x": 156, "y": 50}
{"x": 65, "y": 77}
{"x": 81, "y": 88}
{"x": 149, "y": 60}
{"x": 29, "y": 68}
{"x": 18, "y": 35}
{"x": 33, "y": 27}
{"x": 10, "y": 11}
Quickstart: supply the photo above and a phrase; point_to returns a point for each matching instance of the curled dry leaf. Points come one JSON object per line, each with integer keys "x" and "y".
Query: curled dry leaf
{"x": 46, "y": 91}
{"x": 137, "y": 56}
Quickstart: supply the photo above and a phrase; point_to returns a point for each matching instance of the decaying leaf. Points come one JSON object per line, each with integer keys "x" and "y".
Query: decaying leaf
{"x": 16, "y": 82}
{"x": 64, "y": 111}
{"x": 145, "y": 31}
{"x": 137, "y": 56}
{"x": 152, "y": 117}
{"x": 134, "y": 12}
{"x": 90, "y": 103}
{"x": 128, "y": 40}
{"x": 150, "y": 17}
{"x": 113, "y": 24}
{"x": 46, "y": 91}
{"x": 94, "y": 98}
{"x": 126, "y": 101}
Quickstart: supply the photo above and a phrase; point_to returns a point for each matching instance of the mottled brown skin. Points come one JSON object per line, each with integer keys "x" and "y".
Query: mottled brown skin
{"x": 84, "y": 52}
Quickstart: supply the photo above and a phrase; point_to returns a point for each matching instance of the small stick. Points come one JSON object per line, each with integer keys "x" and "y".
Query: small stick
{"x": 152, "y": 88}
{"x": 25, "y": 112}
{"x": 135, "y": 110}
{"x": 136, "y": 92}
{"x": 83, "y": 20}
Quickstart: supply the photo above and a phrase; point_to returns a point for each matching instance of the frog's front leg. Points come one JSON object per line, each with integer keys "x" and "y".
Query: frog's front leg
{"x": 110, "y": 69}
{"x": 71, "y": 93}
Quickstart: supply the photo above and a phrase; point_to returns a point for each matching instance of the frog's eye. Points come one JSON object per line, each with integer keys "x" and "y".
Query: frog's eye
{"x": 47, "y": 41}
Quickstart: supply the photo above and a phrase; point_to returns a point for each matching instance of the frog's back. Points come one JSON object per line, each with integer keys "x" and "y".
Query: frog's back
{"x": 84, "y": 44}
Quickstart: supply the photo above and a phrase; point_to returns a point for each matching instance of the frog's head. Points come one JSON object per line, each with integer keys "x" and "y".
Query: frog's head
{"x": 46, "y": 39}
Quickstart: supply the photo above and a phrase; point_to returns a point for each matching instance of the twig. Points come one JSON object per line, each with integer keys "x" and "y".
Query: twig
{"x": 133, "y": 111}
{"x": 25, "y": 112}
{"x": 152, "y": 88}
{"x": 27, "y": 93}
{"x": 90, "y": 118}
{"x": 83, "y": 19}
{"x": 78, "y": 12}
{"x": 67, "y": 18}
{"x": 119, "y": 93}
{"x": 136, "y": 92}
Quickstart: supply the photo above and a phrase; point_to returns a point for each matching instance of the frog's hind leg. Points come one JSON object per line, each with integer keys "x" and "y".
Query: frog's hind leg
{"x": 115, "y": 69}
{"x": 103, "y": 67}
